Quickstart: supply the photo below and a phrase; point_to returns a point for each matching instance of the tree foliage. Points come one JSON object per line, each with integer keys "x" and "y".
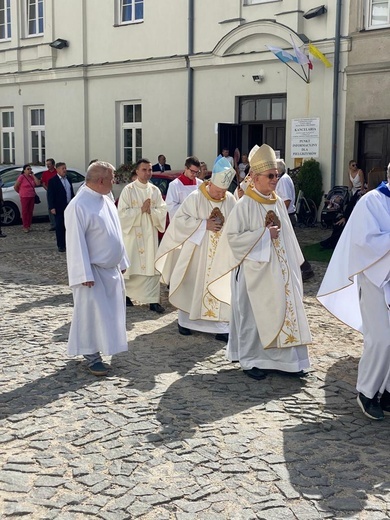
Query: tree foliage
{"x": 310, "y": 181}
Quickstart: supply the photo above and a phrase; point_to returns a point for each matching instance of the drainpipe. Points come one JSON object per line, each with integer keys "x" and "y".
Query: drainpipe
{"x": 190, "y": 79}
{"x": 336, "y": 92}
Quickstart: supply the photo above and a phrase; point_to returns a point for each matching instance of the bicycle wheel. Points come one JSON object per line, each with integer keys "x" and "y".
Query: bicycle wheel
{"x": 311, "y": 217}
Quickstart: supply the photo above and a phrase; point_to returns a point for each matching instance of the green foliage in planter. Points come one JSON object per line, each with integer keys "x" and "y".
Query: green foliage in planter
{"x": 123, "y": 173}
{"x": 310, "y": 181}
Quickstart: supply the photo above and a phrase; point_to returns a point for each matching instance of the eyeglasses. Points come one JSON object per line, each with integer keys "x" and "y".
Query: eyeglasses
{"x": 28, "y": 168}
{"x": 353, "y": 165}
{"x": 269, "y": 175}
{"x": 194, "y": 171}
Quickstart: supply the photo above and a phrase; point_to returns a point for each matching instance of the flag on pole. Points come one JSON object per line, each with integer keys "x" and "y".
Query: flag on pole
{"x": 318, "y": 54}
{"x": 281, "y": 54}
{"x": 301, "y": 56}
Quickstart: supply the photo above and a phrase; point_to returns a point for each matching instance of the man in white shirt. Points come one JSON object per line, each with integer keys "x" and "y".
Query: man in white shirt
{"x": 286, "y": 191}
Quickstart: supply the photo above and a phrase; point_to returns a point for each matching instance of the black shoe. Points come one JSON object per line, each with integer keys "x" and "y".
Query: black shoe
{"x": 99, "y": 369}
{"x": 385, "y": 401}
{"x": 306, "y": 275}
{"x": 156, "y": 307}
{"x": 299, "y": 374}
{"x": 2, "y": 235}
{"x": 371, "y": 407}
{"x": 222, "y": 337}
{"x": 62, "y": 249}
{"x": 184, "y": 331}
{"x": 255, "y": 373}
{"x": 129, "y": 303}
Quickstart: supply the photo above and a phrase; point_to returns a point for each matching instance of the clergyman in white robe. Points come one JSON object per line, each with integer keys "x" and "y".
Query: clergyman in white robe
{"x": 140, "y": 235}
{"x": 268, "y": 328}
{"x": 96, "y": 253}
{"x": 188, "y": 272}
{"x": 178, "y": 192}
{"x": 356, "y": 287}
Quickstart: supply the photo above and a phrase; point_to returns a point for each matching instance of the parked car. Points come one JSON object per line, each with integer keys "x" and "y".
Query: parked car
{"x": 12, "y": 209}
{"x": 162, "y": 180}
{"x": 6, "y": 167}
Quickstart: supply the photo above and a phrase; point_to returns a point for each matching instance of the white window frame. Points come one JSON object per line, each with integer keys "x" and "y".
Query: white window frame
{"x": 254, "y": 2}
{"x": 28, "y": 6}
{"x": 368, "y": 23}
{"x": 10, "y": 130}
{"x": 125, "y": 125}
{"x": 121, "y": 4}
{"x": 5, "y": 5}
{"x": 40, "y": 129}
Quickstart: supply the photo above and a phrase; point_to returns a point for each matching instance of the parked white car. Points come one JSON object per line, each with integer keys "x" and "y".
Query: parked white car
{"x": 12, "y": 209}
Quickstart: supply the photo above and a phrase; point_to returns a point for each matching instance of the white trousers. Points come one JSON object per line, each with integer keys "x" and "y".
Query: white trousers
{"x": 374, "y": 365}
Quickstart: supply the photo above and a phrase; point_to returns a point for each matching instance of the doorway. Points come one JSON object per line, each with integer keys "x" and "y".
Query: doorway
{"x": 373, "y": 145}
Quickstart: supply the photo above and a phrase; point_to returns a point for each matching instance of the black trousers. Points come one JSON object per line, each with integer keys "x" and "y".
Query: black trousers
{"x": 60, "y": 230}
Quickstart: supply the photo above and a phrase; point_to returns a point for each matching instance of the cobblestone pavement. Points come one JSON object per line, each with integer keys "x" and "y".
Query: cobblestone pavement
{"x": 175, "y": 431}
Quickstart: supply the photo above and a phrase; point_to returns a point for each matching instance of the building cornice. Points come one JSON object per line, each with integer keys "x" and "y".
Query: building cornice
{"x": 95, "y": 70}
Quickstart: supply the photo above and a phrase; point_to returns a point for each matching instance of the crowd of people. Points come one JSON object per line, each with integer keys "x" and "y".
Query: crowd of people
{"x": 232, "y": 263}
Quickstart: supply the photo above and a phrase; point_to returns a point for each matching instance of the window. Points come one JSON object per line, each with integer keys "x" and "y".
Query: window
{"x": 131, "y": 132}
{"x": 37, "y": 135}
{"x": 377, "y": 14}
{"x": 131, "y": 11}
{"x": 7, "y": 132}
{"x": 253, "y": 2}
{"x": 5, "y": 19}
{"x": 34, "y": 17}
{"x": 263, "y": 108}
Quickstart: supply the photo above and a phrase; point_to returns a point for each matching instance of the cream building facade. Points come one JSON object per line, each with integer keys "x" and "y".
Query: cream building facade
{"x": 367, "y": 128}
{"x": 142, "y": 77}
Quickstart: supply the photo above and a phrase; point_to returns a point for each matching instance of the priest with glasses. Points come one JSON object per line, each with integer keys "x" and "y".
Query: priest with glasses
{"x": 260, "y": 254}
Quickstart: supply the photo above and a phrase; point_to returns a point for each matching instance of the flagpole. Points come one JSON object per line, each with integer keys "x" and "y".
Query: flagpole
{"x": 297, "y": 73}
{"x": 304, "y": 72}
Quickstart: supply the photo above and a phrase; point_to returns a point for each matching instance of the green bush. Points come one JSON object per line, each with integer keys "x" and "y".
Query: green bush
{"x": 123, "y": 173}
{"x": 310, "y": 181}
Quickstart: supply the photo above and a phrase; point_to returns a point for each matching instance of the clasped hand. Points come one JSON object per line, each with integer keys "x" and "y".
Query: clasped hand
{"x": 145, "y": 208}
{"x": 213, "y": 225}
{"x": 274, "y": 231}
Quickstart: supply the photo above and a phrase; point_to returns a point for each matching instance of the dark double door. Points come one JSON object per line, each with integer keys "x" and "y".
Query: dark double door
{"x": 244, "y": 136}
{"x": 374, "y": 145}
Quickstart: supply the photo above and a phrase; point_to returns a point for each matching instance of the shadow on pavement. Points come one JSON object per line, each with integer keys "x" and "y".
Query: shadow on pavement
{"x": 338, "y": 462}
{"x": 162, "y": 351}
{"x": 197, "y": 399}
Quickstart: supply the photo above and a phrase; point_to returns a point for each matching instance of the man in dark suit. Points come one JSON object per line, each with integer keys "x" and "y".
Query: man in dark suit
{"x": 161, "y": 166}
{"x": 59, "y": 194}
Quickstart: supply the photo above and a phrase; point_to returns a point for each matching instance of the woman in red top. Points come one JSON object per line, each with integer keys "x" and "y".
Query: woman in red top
{"x": 25, "y": 186}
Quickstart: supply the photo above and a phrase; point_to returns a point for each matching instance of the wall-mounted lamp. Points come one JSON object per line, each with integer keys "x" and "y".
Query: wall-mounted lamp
{"x": 316, "y": 11}
{"x": 59, "y": 43}
{"x": 258, "y": 78}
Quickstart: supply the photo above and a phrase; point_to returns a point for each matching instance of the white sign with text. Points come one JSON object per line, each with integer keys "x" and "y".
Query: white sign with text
{"x": 305, "y": 137}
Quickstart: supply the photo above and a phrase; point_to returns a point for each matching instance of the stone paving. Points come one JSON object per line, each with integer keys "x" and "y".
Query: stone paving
{"x": 175, "y": 431}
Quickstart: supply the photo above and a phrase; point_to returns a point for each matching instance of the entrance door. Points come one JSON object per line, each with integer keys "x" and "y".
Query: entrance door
{"x": 229, "y": 136}
{"x": 374, "y": 145}
{"x": 275, "y": 137}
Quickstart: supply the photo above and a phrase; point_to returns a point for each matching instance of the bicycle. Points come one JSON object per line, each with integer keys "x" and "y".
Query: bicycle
{"x": 306, "y": 211}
